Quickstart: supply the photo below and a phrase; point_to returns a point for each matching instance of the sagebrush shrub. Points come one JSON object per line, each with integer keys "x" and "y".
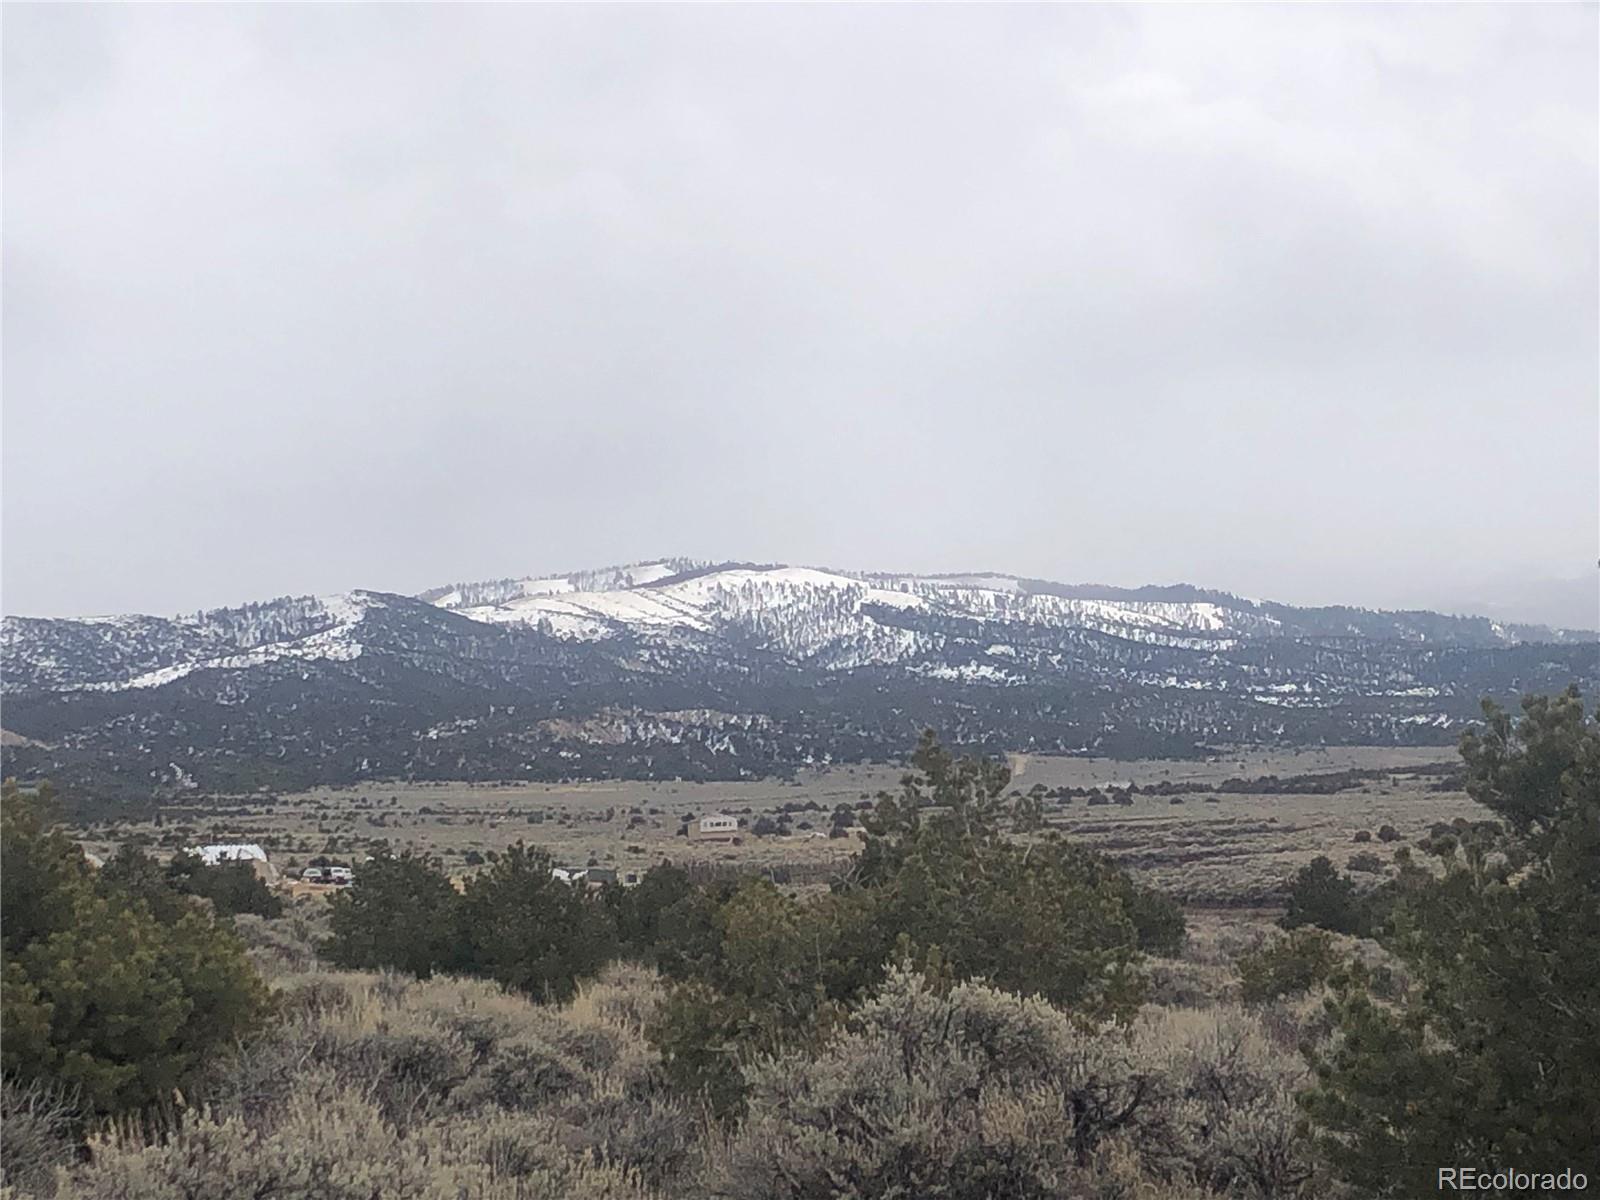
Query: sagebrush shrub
{"x": 520, "y": 1074}
{"x": 446, "y": 1087}
{"x": 973, "y": 1094}
{"x": 332, "y": 1143}
{"x": 966, "y": 1093}
{"x": 654, "y": 1138}
{"x": 406, "y": 1071}
{"x": 314, "y": 993}
{"x": 593, "y": 1047}
{"x": 1236, "y": 1126}
{"x": 38, "y": 1124}
{"x": 276, "y": 946}
{"x": 481, "y": 1012}
{"x": 625, "y": 996}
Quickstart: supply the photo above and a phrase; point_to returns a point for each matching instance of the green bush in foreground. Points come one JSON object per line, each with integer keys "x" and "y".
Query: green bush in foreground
{"x": 100, "y": 994}
{"x": 1290, "y": 966}
{"x": 232, "y": 887}
{"x": 1319, "y": 896}
{"x": 514, "y": 923}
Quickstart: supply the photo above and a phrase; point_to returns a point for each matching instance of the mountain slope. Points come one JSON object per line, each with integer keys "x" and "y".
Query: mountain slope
{"x": 683, "y": 668}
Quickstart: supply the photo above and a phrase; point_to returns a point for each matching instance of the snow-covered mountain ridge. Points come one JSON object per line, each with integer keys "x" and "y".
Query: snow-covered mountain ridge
{"x": 110, "y": 654}
{"x": 804, "y": 611}
{"x": 518, "y": 677}
{"x": 837, "y": 620}
{"x": 839, "y": 616}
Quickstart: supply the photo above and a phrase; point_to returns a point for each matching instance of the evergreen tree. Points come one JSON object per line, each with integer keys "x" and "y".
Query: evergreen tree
{"x": 402, "y": 912}
{"x": 531, "y": 931}
{"x": 132, "y": 873}
{"x": 231, "y": 887}
{"x": 1320, "y": 896}
{"x": 1493, "y": 1054}
{"x": 102, "y": 993}
{"x": 638, "y": 912}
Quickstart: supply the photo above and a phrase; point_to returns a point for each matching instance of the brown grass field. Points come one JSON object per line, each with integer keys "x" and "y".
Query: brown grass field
{"x": 1209, "y": 850}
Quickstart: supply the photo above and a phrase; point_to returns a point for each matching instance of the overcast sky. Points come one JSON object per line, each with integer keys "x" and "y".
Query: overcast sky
{"x": 1299, "y": 302}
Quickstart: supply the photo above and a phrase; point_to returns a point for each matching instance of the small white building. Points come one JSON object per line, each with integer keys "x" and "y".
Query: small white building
{"x": 719, "y": 827}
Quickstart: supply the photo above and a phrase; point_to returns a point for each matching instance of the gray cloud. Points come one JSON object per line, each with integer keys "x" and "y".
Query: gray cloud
{"x": 1296, "y": 301}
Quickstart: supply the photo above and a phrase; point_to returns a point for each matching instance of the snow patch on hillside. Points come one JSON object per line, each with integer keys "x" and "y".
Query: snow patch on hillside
{"x": 246, "y": 628}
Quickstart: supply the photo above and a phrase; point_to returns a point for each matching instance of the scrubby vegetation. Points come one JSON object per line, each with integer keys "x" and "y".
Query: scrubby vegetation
{"x": 231, "y": 887}
{"x": 940, "y": 881}
{"x": 1494, "y": 1052}
{"x": 977, "y": 1010}
{"x": 1289, "y": 966}
{"x": 375, "y": 1085}
{"x": 378, "y": 1084}
{"x": 121, "y": 1000}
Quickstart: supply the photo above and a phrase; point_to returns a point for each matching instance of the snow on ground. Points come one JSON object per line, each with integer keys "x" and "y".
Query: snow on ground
{"x": 972, "y": 672}
{"x": 802, "y": 613}
{"x": 772, "y": 598}
{"x": 587, "y": 614}
{"x": 337, "y": 643}
{"x": 545, "y": 587}
{"x": 696, "y": 603}
{"x": 349, "y": 607}
{"x": 332, "y": 645}
{"x": 646, "y": 573}
{"x": 894, "y": 598}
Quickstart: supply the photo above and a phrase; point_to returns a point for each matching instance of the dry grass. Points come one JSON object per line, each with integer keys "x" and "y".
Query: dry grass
{"x": 627, "y": 825}
{"x": 1208, "y": 850}
{"x": 1242, "y": 849}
